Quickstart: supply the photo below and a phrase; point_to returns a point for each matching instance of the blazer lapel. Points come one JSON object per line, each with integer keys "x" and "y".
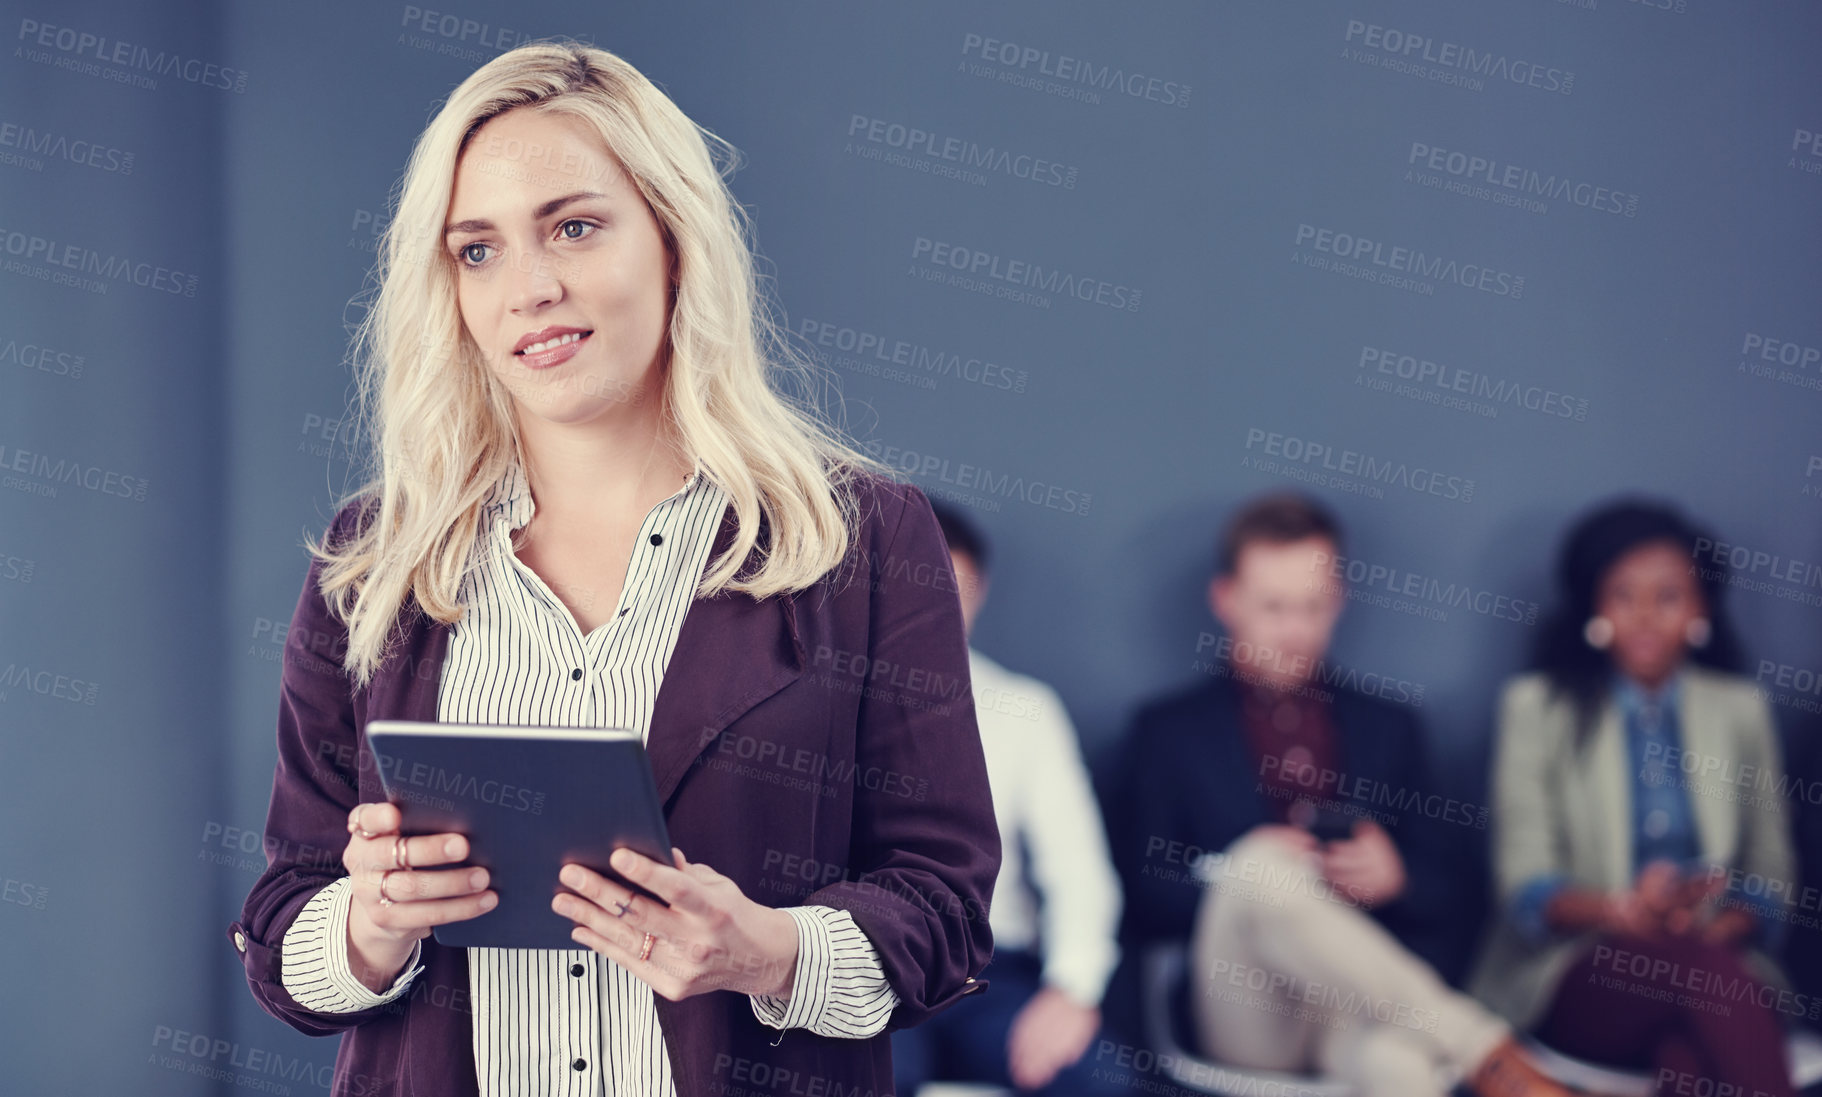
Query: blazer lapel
{"x": 733, "y": 651}
{"x": 1609, "y": 785}
{"x": 1704, "y": 737}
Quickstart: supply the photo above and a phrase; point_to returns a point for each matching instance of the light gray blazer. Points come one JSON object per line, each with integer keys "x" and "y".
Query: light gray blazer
{"x": 1557, "y": 809}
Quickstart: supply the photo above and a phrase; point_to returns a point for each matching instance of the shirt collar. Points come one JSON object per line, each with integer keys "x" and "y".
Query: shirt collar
{"x": 1634, "y": 697}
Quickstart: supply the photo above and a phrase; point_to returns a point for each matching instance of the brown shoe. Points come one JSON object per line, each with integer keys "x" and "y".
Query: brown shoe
{"x": 1508, "y": 1072}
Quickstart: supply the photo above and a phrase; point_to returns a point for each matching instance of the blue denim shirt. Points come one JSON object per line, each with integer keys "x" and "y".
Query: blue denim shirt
{"x": 1663, "y": 821}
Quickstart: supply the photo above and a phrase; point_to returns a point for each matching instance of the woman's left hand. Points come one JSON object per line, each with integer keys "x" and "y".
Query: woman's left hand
{"x": 712, "y": 937}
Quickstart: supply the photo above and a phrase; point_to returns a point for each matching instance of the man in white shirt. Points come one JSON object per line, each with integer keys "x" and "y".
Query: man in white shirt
{"x": 1056, "y": 903}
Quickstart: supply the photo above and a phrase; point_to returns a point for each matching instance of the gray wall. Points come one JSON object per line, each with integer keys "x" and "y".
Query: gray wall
{"x": 140, "y": 636}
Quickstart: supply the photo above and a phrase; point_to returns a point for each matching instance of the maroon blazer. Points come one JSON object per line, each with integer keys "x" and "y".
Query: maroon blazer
{"x": 817, "y": 748}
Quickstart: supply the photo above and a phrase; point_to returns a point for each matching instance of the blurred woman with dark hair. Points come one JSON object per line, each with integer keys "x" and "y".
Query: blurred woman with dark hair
{"x": 1640, "y": 849}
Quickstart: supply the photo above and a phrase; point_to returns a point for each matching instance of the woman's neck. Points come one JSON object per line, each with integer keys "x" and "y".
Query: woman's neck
{"x": 587, "y": 474}
{"x": 1652, "y": 685}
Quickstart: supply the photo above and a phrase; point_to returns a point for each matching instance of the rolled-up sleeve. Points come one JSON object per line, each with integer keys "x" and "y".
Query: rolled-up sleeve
{"x": 315, "y": 962}
{"x": 838, "y": 987}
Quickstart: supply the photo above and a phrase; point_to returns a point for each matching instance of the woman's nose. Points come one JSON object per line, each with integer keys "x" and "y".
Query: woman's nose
{"x": 534, "y": 281}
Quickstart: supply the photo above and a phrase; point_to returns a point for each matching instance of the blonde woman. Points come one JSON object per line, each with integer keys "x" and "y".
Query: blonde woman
{"x": 591, "y": 507}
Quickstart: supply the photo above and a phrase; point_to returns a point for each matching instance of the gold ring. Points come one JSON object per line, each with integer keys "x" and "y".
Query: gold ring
{"x": 384, "y": 900}
{"x": 401, "y": 854}
{"x": 361, "y": 828}
{"x": 646, "y": 952}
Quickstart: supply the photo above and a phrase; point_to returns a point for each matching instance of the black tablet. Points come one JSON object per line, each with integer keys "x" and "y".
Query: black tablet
{"x": 529, "y": 800}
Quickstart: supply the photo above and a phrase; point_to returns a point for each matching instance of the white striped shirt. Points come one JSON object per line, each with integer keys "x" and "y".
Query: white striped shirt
{"x": 570, "y": 1021}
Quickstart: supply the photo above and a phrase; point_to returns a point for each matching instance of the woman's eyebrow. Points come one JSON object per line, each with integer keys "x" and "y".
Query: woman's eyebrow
{"x": 478, "y": 224}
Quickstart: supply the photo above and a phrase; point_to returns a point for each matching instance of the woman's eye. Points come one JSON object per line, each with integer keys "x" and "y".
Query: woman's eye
{"x": 584, "y": 226}
{"x": 469, "y": 254}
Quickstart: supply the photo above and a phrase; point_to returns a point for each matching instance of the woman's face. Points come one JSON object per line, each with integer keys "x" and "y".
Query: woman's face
{"x": 1650, "y": 594}
{"x": 562, "y": 273}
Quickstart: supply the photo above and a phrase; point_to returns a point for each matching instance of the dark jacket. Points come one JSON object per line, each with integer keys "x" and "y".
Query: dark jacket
{"x": 1190, "y": 785}
{"x": 817, "y": 749}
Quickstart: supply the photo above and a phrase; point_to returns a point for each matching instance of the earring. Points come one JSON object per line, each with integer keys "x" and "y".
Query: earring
{"x": 1598, "y": 631}
{"x": 1698, "y": 632}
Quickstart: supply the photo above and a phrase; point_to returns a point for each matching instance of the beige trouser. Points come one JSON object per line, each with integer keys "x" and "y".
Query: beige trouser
{"x": 1288, "y": 975}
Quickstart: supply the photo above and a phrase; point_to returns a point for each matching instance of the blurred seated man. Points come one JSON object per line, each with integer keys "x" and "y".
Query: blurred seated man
{"x": 1056, "y": 903}
{"x": 1312, "y": 785}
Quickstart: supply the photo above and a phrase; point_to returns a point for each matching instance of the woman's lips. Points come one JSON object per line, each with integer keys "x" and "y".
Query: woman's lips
{"x": 556, "y": 351}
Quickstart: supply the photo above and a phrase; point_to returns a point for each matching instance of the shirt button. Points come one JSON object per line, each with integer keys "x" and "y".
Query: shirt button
{"x": 623, "y": 612}
{"x": 576, "y": 969}
{"x": 575, "y": 675}
{"x": 240, "y": 941}
{"x": 580, "y": 1064}
{"x": 657, "y": 538}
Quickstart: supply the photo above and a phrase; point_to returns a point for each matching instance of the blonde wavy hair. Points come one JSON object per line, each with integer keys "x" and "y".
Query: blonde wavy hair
{"x": 441, "y": 425}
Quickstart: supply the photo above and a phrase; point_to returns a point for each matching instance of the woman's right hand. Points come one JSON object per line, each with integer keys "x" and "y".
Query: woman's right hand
{"x": 1630, "y": 914}
{"x": 381, "y": 936}
{"x": 1661, "y": 901}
